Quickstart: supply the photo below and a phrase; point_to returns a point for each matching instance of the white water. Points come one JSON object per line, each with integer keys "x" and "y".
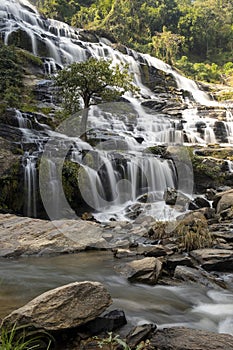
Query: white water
{"x": 132, "y": 132}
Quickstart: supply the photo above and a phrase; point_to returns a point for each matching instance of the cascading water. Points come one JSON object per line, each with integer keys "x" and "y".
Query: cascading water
{"x": 134, "y": 131}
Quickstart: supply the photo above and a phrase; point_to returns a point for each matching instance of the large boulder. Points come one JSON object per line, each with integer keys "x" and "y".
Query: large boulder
{"x": 146, "y": 270}
{"x": 62, "y": 308}
{"x": 181, "y": 338}
{"x": 214, "y": 259}
{"x": 26, "y": 236}
{"x": 224, "y": 201}
{"x": 197, "y": 276}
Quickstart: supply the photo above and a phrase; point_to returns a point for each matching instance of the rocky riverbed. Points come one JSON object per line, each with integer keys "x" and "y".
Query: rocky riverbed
{"x": 145, "y": 251}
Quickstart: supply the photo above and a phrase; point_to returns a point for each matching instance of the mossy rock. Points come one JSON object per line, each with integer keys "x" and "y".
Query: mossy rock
{"x": 71, "y": 177}
{"x": 20, "y": 38}
{"x": 12, "y": 188}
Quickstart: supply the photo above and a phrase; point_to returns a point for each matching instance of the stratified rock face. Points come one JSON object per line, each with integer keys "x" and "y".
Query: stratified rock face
{"x": 190, "y": 339}
{"x": 65, "y": 307}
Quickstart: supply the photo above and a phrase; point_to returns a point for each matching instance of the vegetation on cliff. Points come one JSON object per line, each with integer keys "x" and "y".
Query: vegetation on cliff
{"x": 196, "y": 36}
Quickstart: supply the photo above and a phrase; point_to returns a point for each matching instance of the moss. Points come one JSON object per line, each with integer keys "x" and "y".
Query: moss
{"x": 28, "y": 58}
{"x": 157, "y": 150}
{"x": 71, "y": 177}
{"x": 11, "y": 184}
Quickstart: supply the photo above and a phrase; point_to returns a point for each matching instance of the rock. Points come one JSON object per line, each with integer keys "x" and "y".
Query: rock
{"x": 214, "y": 259}
{"x": 154, "y": 104}
{"x": 140, "y": 333}
{"x": 199, "y": 202}
{"x": 123, "y": 253}
{"x": 106, "y": 323}
{"x": 26, "y": 236}
{"x": 146, "y": 270}
{"x": 225, "y": 202}
{"x": 153, "y": 250}
{"x": 177, "y": 259}
{"x": 210, "y": 194}
{"x": 174, "y": 197}
{"x": 181, "y": 338}
{"x": 62, "y": 308}
{"x": 191, "y": 275}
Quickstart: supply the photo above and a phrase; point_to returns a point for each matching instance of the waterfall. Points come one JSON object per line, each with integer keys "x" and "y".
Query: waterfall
{"x": 30, "y": 184}
{"x": 124, "y": 171}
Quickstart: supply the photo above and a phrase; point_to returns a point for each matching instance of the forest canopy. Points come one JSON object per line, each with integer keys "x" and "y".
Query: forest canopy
{"x": 177, "y": 31}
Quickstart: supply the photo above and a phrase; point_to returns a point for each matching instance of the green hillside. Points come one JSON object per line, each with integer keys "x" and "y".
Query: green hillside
{"x": 195, "y": 36}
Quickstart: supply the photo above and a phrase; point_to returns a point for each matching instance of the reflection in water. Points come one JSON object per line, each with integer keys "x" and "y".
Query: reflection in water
{"x": 22, "y": 280}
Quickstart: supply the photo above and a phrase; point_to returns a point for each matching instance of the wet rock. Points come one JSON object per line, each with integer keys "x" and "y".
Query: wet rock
{"x": 174, "y": 197}
{"x": 181, "y": 338}
{"x": 146, "y": 270}
{"x": 154, "y": 104}
{"x": 196, "y": 276}
{"x": 220, "y": 132}
{"x": 140, "y": 333}
{"x": 210, "y": 194}
{"x": 124, "y": 253}
{"x": 214, "y": 259}
{"x": 133, "y": 211}
{"x": 199, "y": 202}
{"x": 106, "y": 323}
{"x": 64, "y": 307}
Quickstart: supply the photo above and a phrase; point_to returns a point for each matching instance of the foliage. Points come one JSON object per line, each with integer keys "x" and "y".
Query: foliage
{"x": 92, "y": 81}
{"x": 112, "y": 341}
{"x": 201, "y": 30}
{"x": 200, "y": 71}
{"x": 194, "y": 235}
{"x": 27, "y": 57}
{"x": 11, "y": 71}
{"x": 19, "y": 338}
{"x": 167, "y": 45}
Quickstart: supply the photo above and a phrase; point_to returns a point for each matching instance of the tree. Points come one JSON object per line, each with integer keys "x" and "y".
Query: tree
{"x": 11, "y": 72}
{"x": 90, "y": 82}
{"x": 167, "y": 45}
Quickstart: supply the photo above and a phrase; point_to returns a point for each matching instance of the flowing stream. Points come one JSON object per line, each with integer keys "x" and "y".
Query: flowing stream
{"x": 191, "y": 306}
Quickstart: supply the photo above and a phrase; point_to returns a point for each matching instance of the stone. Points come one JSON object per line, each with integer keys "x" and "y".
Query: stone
{"x": 26, "y": 236}
{"x": 106, "y": 323}
{"x": 214, "y": 259}
{"x": 181, "y": 338}
{"x": 225, "y": 202}
{"x": 222, "y": 192}
{"x": 123, "y": 253}
{"x": 153, "y": 250}
{"x": 199, "y": 202}
{"x": 140, "y": 333}
{"x": 177, "y": 259}
{"x": 145, "y": 270}
{"x": 65, "y": 307}
{"x": 174, "y": 197}
{"x": 197, "y": 276}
